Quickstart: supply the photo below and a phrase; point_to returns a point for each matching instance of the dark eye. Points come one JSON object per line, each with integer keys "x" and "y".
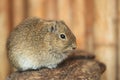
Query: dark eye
{"x": 62, "y": 36}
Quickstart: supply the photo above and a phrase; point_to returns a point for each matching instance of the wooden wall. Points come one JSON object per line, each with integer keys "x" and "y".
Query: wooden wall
{"x": 96, "y": 24}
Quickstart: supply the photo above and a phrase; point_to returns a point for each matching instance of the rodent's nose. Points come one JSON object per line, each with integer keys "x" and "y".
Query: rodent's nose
{"x": 74, "y": 48}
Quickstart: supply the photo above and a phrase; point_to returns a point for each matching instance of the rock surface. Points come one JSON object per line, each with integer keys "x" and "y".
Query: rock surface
{"x": 76, "y": 67}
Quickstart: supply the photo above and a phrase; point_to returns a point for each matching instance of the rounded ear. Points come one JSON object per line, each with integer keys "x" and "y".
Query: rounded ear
{"x": 52, "y": 28}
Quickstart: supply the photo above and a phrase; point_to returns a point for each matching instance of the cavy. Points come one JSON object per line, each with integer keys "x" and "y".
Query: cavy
{"x": 37, "y": 43}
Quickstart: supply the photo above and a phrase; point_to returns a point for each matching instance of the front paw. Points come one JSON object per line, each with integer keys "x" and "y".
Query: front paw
{"x": 52, "y": 66}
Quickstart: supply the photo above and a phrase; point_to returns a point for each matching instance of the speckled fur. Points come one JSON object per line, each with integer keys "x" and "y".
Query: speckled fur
{"x": 36, "y": 43}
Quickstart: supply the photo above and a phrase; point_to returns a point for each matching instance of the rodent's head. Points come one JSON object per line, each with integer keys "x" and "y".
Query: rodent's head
{"x": 59, "y": 36}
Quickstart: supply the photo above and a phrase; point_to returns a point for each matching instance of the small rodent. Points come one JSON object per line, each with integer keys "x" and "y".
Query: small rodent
{"x": 37, "y": 43}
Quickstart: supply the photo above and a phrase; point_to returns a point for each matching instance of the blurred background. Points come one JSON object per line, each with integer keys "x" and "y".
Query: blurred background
{"x": 95, "y": 23}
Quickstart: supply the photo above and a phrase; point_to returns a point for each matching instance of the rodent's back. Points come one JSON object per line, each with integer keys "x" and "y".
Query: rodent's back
{"x": 23, "y": 36}
{"x": 21, "y": 40}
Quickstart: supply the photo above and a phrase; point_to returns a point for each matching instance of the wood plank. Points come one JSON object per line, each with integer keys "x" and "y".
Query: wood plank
{"x": 64, "y": 11}
{"x": 36, "y": 8}
{"x": 89, "y": 21}
{"x": 18, "y": 11}
{"x": 4, "y": 30}
{"x": 118, "y": 76}
{"x": 51, "y": 9}
{"x": 78, "y": 22}
{"x": 105, "y": 35}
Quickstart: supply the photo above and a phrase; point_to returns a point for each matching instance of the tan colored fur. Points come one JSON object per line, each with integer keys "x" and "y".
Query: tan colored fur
{"x": 36, "y": 43}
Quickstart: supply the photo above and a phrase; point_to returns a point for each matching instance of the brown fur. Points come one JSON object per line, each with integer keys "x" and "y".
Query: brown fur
{"x": 36, "y": 43}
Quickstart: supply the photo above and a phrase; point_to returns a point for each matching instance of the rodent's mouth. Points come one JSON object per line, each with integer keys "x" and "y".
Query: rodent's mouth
{"x": 68, "y": 51}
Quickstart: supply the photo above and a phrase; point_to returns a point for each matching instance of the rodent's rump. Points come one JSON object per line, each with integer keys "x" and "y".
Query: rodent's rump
{"x": 37, "y": 43}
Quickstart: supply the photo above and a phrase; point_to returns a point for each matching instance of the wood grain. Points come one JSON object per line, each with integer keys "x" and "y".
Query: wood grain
{"x": 118, "y": 75}
{"x": 36, "y": 8}
{"x": 4, "y": 31}
{"x": 78, "y": 22}
{"x": 105, "y": 35}
{"x": 51, "y": 9}
{"x": 89, "y": 22}
{"x": 18, "y": 11}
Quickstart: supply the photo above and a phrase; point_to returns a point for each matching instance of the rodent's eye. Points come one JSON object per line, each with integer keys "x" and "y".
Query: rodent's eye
{"x": 62, "y": 36}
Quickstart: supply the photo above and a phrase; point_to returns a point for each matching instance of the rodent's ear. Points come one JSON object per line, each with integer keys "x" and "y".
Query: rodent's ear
{"x": 52, "y": 28}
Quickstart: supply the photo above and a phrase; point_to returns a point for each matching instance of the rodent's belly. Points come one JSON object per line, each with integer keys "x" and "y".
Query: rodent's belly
{"x": 33, "y": 62}
{"x": 26, "y": 63}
